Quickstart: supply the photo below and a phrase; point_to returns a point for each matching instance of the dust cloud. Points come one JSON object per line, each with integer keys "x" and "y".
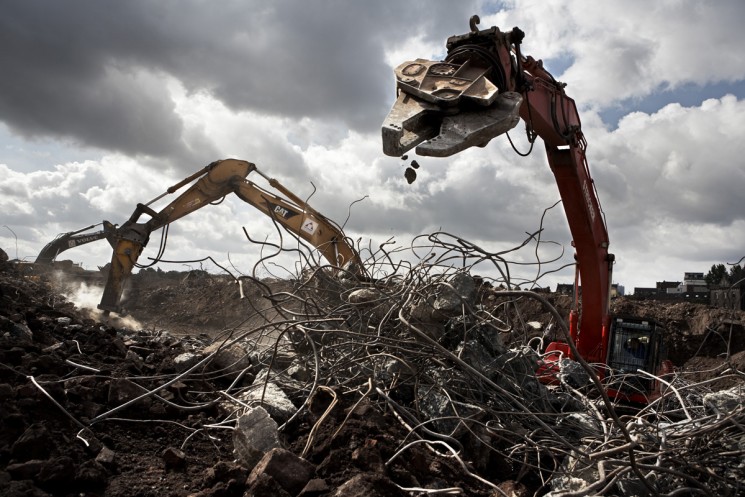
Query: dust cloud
{"x": 86, "y": 298}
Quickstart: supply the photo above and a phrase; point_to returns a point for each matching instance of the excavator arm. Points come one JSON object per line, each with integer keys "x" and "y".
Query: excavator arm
{"x": 214, "y": 182}
{"x": 482, "y": 89}
{"x": 65, "y": 241}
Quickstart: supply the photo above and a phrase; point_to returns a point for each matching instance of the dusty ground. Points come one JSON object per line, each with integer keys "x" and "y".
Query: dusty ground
{"x": 61, "y": 368}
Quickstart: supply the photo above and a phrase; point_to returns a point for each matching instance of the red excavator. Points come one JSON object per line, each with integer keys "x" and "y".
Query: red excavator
{"x": 481, "y": 90}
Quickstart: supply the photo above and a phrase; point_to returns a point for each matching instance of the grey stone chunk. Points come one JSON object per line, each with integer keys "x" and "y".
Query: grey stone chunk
{"x": 255, "y": 434}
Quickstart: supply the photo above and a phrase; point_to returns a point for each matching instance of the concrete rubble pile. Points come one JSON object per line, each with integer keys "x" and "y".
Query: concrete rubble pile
{"x": 421, "y": 382}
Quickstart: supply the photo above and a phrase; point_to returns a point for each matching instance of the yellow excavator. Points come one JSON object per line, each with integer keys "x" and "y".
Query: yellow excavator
{"x": 213, "y": 182}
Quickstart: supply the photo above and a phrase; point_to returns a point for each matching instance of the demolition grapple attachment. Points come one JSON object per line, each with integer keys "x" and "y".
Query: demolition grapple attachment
{"x": 443, "y": 108}
{"x": 466, "y": 100}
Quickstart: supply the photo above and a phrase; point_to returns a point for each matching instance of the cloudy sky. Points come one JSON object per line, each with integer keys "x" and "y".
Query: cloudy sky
{"x": 105, "y": 104}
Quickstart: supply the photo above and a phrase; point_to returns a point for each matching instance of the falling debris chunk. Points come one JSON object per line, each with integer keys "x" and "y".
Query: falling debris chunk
{"x": 410, "y": 175}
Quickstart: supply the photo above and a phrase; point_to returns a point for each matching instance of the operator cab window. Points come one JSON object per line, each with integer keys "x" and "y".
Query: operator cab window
{"x": 631, "y": 347}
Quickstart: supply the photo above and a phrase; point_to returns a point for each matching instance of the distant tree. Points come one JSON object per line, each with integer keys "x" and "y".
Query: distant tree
{"x": 715, "y": 274}
{"x": 736, "y": 273}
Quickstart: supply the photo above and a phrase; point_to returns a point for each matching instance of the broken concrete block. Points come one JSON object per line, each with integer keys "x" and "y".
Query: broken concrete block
{"x": 373, "y": 301}
{"x": 442, "y": 410}
{"x": 298, "y": 371}
{"x": 134, "y": 358}
{"x": 231, "y": 358}
{"x": 225, "y": 471}
{"x": 282, "y": 379}
{"x": 15, "y": 330}
{"x": 255, "y": 434}
{"x": 580, "y": 424}
{"x": 25, "y": 470}
{"x": 106, "y": 457}
{"x": 519, "y": 364}
{"x": 724, "y": 401}
{"x": 266, "y": 486}
{"x": 57, "y": 472}
{"x": 573, "y": 374}
{"x": 184, "y": 361}
{"x": 290, "y": 471}
{"x": 173, "y": 458}
{"x": 363, "y": 295}
{"x": 460, "y": 288}
{"x": 421, "y": 311}
{"x": 272, "y": 398}
{"x": 475, "y": 354}
{"x": 315, "y": 488}
{"x": 574, "y": 476}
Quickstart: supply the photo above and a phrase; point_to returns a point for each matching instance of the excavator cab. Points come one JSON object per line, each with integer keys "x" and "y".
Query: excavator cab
{"x": 635, "y": 344}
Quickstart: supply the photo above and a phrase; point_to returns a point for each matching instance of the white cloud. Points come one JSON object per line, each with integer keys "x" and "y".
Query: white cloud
{"x": 682, "y": 164}
{"x": 305, "y": 104}
{"x": 629, "y": 49}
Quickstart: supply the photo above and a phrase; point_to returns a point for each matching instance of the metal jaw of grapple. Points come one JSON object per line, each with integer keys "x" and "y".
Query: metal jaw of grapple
{"x": 443, "y": 108}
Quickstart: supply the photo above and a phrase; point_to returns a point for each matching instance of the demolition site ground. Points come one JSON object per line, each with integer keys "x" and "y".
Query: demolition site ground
{"x": 149, "y": 404}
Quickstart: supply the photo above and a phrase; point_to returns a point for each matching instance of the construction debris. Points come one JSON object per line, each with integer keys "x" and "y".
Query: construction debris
{"x": 421, "y": 382}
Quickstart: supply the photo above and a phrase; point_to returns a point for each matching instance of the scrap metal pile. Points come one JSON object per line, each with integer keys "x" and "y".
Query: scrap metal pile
{"x": 454, "y": 361}
{"x": 418, "y": 381}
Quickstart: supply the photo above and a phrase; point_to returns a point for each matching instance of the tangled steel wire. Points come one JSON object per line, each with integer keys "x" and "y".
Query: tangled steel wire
{"x": 452, "y": 357}
{"x": 454, "y": 360}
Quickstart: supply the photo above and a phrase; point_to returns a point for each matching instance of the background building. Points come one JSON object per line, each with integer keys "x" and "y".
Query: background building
{"x": 693, "y": 288}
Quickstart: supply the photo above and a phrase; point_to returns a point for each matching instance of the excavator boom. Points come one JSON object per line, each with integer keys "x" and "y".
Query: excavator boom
{"x": 482, "y": 89}
{"x": 65, "y": 241}
{"x": 214, "y": 182}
